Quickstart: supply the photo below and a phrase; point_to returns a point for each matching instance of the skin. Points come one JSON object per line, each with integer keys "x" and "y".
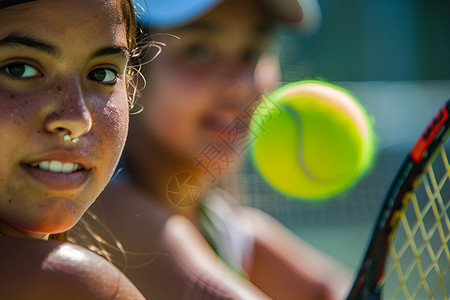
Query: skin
{"x": 199, "y": 85}
{"x": 210, "y": 72}
{"x": 34, "y": 269}
{"x": 56, "y": 94}
{"x": 58, "y": 76}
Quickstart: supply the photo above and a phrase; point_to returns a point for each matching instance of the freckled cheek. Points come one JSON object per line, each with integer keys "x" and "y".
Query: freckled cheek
{"x": 19, "y": 107}
{"x": 19, "y": 115}
{"x": 111, "y": 124}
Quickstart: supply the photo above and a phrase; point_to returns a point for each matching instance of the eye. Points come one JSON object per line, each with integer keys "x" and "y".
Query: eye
{"x": 251, "y": 56}
{"x": 21, "y": 71}
{"x": 199, "y": 52}
{"x": 104, "y": 76}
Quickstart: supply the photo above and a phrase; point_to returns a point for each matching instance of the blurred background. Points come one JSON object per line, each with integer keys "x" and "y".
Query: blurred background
{"x": 395, "y": 57}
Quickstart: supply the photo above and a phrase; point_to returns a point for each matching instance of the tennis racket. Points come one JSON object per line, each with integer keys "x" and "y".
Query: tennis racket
{"x": 408, "y": 255}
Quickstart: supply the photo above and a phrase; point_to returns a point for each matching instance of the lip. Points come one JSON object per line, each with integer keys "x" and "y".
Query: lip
{"x": 221, "y": 121}
{"x": 60, "y": 181}
{"x": 215, "y": 125}
{"x": 65, "y": 156}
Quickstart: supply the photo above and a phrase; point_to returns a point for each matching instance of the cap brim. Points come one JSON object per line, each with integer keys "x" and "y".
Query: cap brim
{"x": 173, "y": 13}
{"x": 285, "y": 10}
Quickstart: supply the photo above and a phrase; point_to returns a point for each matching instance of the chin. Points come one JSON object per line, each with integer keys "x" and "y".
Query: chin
{"x": 52, "y": 222}
{"x": 51, "y": 226}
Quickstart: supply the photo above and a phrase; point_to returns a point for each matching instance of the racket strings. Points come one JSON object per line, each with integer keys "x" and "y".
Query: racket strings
{"x": 443, "y": 206}
{"x": 419, "y": 262}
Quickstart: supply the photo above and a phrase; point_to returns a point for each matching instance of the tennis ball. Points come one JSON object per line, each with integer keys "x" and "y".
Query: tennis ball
{"x": 313, "y": 140}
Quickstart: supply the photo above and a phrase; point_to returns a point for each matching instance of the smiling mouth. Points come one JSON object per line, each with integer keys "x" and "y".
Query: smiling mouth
{"x": 57, "y": 166}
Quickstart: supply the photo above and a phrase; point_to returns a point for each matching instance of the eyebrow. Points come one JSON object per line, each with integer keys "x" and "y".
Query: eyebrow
{"x": 30, "y": 42}
{"x": 21, "y": 39}
{"x": 114, "y": 50}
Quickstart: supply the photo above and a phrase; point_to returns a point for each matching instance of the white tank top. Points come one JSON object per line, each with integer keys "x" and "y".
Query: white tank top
{"x": 228, "y": 231}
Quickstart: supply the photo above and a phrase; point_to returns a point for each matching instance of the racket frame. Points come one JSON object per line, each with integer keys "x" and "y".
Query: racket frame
{"x": 372, "y": 267}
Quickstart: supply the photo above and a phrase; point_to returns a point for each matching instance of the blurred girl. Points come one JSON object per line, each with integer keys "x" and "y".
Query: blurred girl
{"x": 200, "y": 244}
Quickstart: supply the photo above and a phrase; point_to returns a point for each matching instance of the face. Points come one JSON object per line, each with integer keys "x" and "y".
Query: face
{"x": 204, "y": 81}
{"x": 62, "y": 74}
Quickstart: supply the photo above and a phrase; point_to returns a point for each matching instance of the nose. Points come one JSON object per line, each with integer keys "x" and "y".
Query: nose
{"x": 237, "y": 81}
{"x": 69, "y": 113}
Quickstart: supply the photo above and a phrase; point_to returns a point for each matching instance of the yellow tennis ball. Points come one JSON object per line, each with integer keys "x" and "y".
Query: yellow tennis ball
{"x": 313, "y": 139}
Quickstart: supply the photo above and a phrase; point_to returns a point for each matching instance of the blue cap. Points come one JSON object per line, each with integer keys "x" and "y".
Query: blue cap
{"x": 172, "y": 13}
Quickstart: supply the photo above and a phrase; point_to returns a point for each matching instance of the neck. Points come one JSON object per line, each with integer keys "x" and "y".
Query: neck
{"x": 9, "y": 230}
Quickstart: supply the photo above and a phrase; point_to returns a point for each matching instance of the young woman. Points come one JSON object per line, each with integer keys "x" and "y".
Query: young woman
{"x": 183, "y": 237}
{"x": 63, "y": 125}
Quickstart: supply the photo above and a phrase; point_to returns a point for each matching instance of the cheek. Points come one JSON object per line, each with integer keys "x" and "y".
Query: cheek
{"x": 174, "y": 89}
{"x": 17, "y": 109}
{"x": 19, "y": 126}
{"x": 174, "y": 114}
{"x": 188, "y": 77}
{"x": 111, "y": 124}
{"x": 172, "y": 102}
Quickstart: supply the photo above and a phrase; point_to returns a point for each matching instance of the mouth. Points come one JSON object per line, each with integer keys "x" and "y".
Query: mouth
{"x": 216, "y": 124}
{"x": 56, "y": 166}
{"x": 220, "y": 123}
{"x": 221, "y": 119}
{"x": 64, "y": 171}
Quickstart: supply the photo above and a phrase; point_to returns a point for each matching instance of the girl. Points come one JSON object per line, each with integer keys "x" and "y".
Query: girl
{"x": 193, "y": 240}
{"x": 63, "y": 124}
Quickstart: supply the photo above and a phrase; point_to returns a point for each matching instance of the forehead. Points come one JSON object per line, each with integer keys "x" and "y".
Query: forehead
{"x": 64, "y": 21}
{"x": 243, "y": 12}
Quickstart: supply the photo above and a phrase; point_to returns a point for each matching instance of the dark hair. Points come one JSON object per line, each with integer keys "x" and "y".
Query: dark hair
{"x": 8, "y": 3}
{"x": 129, "y": 17}
{"x": 134, "y": 64}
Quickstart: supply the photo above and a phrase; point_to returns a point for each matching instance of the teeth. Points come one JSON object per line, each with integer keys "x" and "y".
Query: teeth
{"x": 67, "y": 167}
{"x": 57, "y": 166}
{"x": 44, "y": 165}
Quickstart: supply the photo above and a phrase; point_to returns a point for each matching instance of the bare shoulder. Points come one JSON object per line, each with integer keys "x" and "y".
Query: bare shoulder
{"x": 264, "y": 226}
{"x": 35, "y": 269}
